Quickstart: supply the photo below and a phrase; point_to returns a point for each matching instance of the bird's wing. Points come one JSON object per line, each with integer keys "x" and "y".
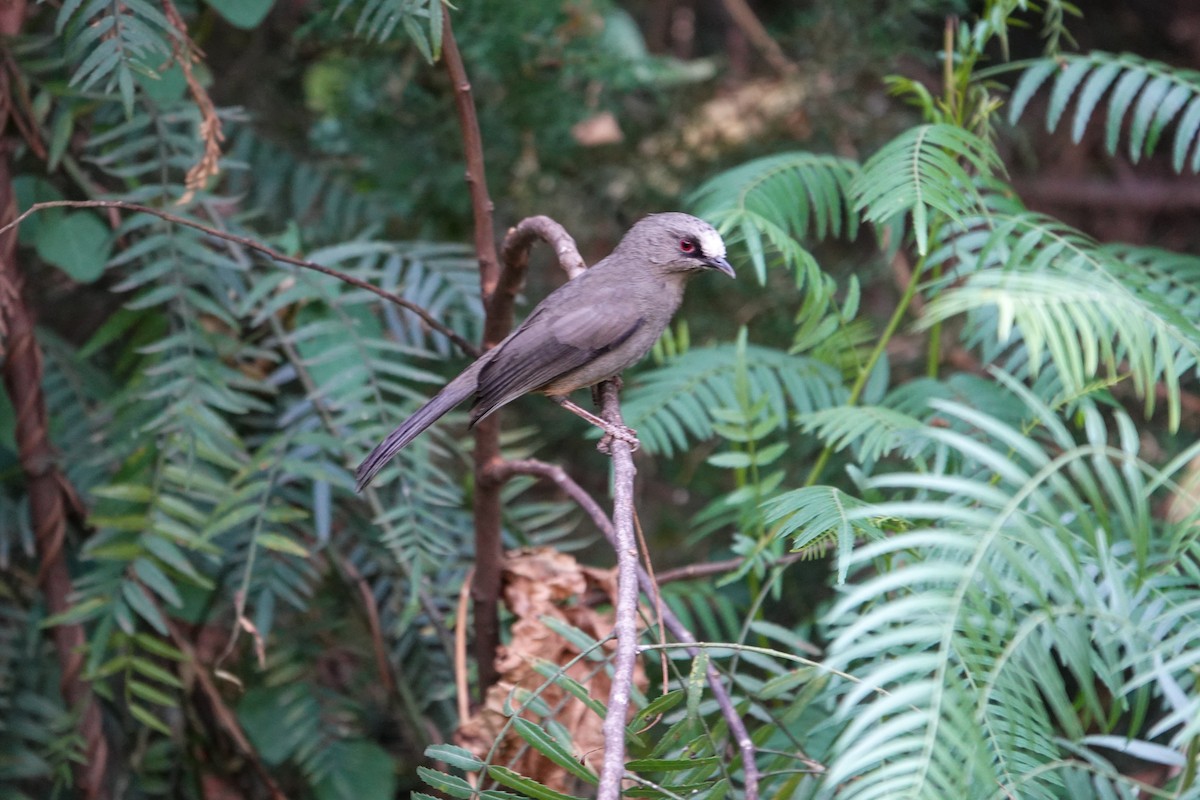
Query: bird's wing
{"x": 551, "y": 343}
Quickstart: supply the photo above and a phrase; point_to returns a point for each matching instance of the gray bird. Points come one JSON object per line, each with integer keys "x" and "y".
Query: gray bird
{"x": 586, "y": 331}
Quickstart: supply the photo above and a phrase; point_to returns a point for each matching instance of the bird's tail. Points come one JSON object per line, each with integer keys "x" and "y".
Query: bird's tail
{"x": 454, "y": 393}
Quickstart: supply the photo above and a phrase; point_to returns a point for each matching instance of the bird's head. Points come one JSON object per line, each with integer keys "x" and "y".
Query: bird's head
{"x": 678, "y": 243}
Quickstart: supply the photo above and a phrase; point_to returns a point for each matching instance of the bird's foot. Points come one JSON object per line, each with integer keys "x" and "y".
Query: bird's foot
{"x": 618, "y": 433}
{"x": 611, "y": 432}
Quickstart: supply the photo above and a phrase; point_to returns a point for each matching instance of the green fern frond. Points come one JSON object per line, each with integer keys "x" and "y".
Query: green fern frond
{"x": 542, "y": 523}
{"x": 421, "y": 19}
{"x": 1162, "y": 93}
{"x": 999, "y": 16}
{"x": 1173, "y": 276}
{"x": 815, "y": 514}
{"x": 1040, "y": 585}
{"x": 346, "y": 383}
{"x": 37, "y": 740}
{"x": 778, "y": 201}
{"x": 673, "y": 403}
{"x": 917, "y": 397}
{"x": 923, "y": 172}
{"x": 321, "y": 206}
{"x": 1091, "y": 314}
{"x": 112, "y": 43}
{"x": 704, "y": 609}
{"x": 873, "y": 431}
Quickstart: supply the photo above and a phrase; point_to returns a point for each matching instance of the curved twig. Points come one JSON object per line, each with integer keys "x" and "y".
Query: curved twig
{"x": 559, "y": 477}
{"x": 563, "y": 481}
{"x": 706, "y": 569}
{"x": 489, "y": 466}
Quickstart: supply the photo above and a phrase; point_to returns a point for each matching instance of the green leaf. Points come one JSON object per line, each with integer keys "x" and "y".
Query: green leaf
{"x": 455, "y": 756}
{"x": 156, "y": 646}
{"x": 682, "y": 400}
{"x": 150, "y": 669}
{"x": 1160, "y": 91}
{"x": 450, "y": 784}
{"x": 772, "y": 204}
{"x": 515, "y": 780}
{"x": 697, "y": 680}
{"x": 281, "y": 544}
{"x": 1031, "y": 80}
{"x": 552, "y": 749}
{"x": 275, "y": 718}
{"x": 148, "y": 692}
{"x": 60, "y": 136}
{"x": 583, "y": 641}
{"x": 77, "y": 612}
{"x": 132, "y": 493}
{"x": 553, "y": 672}
{"x": 245, "y": 14}
{"x": 78, "y": 243}
{"x": 149, "y": 573}
{"x": 165, "y": 87}
{"x": 139, "y": 602}
{"x": 731, "y": 460}
{"x": 814, "y": 512}
{"x": 659, "y": 705}
{"x": 1095, "y": 87}
{"x": 785, "y": 683}
{"x": 148, "y": 718}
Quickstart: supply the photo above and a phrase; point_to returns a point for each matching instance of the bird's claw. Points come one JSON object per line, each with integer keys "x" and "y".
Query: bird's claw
{"x": 618, "y": 433}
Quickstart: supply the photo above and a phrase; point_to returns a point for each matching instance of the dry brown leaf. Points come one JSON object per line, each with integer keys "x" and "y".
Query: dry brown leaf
{"x": 540, "y": 583}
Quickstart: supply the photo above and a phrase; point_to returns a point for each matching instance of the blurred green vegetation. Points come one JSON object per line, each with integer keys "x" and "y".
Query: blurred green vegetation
{"x": 937, "y": 437}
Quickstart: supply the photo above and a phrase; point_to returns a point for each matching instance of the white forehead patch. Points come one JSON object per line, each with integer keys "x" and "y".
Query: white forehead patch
{"x": 711, "y": 244}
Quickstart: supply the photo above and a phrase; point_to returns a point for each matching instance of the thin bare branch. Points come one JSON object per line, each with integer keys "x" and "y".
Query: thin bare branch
{"x": 612, "y": 771}
{"x": 559, "y": 477}
{"x": 690, "y": 571}
{"x": 257, "y": 247}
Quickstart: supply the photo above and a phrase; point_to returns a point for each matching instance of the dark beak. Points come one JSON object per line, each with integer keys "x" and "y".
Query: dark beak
{"x": 722, "y": 265}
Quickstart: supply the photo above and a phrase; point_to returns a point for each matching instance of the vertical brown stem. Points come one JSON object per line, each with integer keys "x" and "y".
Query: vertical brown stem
{"x": 476, "y": 177}
{"x": 46, "y": 485}
{"x": 489, "y": 553}
{"x": 47, "y": 507}
{"x": 485, "y": 590}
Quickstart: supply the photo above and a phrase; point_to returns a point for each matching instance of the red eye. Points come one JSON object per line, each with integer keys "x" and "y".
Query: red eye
{"x": 687, "y": 246}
